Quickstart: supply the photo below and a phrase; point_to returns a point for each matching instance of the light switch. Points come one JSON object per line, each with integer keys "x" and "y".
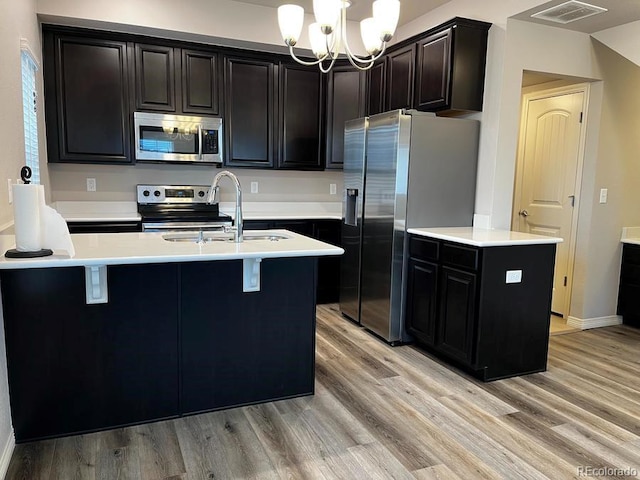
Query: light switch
{"x": 603, "y": 195}
{"x": 91, "y": 184}
{"x": 254, "y": 187}
{"x": 514, "y": 276}
{"x": 332, "y": 189}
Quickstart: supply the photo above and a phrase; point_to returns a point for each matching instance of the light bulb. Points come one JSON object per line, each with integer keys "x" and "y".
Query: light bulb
{"x": 327, "y": 13}
{"x": 318, "y": 40}
{"x": 370, "y": 34}
{"x": 386, "y": 14}
{"x": 290, "y": 19}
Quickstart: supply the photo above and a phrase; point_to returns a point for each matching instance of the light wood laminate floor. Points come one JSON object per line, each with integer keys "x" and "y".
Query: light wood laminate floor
{"x": 382, "y": 413}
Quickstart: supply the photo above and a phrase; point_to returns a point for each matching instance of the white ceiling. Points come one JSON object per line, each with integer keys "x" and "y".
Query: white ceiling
{"x": 360, "y": 9}
{"x": 619, "y": 12}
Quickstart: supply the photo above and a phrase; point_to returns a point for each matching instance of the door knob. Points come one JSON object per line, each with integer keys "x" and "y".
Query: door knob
{"x": 523, "y": 213}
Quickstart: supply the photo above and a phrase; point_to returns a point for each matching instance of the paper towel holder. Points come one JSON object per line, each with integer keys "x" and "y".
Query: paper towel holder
{"x": 25, "y": 175}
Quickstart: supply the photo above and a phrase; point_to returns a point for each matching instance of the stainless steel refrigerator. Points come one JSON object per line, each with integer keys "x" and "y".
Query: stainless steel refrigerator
{"x": 402, "y": 169}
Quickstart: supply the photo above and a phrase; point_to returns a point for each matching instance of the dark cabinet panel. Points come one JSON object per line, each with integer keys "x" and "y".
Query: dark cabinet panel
{"x": 422, "y": 300}
{"x": 301, "y": 108}
{"x": 328, "y": 267}
{"x": 250, "y": 112}
{"x": 451, "y": 67}
{"x": 432, "y": 83}
{"x": 457, "y": 313}
{"x": 400, "y": 78}
{"x": 200, "y": 86}
{"x": 460, "y": 306}
{"x": 247, "y": 350}
{"x": 86, "y": 99}
{"x": 75, "y": 367}
{"x": 629, "y": 289}
{"x": 345, "y": 101}
{"x": 376, "y": 87}
{"x": 328, "y": 285}
{"x": 155, "y": 78}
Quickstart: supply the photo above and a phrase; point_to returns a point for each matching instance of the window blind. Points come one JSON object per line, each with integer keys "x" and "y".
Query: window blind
{"x": 30, "y": 113}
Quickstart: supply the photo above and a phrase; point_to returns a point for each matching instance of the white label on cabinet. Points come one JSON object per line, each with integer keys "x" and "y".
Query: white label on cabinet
{"x": 514, "y": 276}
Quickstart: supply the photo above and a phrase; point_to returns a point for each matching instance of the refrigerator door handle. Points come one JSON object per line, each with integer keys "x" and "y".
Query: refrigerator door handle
{"x": 351, "y": 210}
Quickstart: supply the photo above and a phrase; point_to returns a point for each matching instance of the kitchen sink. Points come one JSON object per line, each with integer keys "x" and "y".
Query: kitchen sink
{"x": 207, "y": 237}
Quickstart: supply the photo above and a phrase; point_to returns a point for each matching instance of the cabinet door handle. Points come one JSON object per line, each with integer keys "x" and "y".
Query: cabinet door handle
{"x": 523, "y": 213}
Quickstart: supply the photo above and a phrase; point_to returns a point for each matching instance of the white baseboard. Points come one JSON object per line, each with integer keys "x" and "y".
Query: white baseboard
{"x": 596, "y": 322}
{"x": 6, "y": 454}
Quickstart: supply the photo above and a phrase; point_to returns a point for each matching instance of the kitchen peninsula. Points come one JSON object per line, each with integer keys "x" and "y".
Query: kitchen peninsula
{"x": 135, "y": 328}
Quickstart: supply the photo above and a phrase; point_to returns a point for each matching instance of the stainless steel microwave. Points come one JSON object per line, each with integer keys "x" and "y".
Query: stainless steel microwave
{"x": 177, "y": 138}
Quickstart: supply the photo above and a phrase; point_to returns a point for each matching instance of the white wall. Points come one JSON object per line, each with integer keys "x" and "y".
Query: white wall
{"x": 624, "y": 39}
{"x": 17, "y": 20}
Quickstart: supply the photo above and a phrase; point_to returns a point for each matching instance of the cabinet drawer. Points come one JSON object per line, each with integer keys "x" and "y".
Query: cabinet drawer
{"x": 460, "y": 256}
{"x": 631, "y": 254}
{"x": 424, "y": 249}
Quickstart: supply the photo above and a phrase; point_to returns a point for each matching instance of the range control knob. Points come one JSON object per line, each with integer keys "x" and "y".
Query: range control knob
{"x": 157, "y": 193}
{"x": 146, "y": 193}
{"x": 201, "y": 193}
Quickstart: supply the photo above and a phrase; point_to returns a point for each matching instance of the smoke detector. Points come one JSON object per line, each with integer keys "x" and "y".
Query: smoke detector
{"x": 568, "y": 12}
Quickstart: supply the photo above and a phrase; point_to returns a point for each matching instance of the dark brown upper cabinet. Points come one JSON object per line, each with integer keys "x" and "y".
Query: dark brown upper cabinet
{"x": 376, "y": 87}
{"x": 346, "y": 90}
{"x": 200, "y": 85}
{"x": 155, "y": 78}
{"x": 86, "y": 99}
{"x": 301, "y": 108}
{"x": 400, "y": 78}
{"x": 250, "y": 112}
{"x": 451, "y": 66}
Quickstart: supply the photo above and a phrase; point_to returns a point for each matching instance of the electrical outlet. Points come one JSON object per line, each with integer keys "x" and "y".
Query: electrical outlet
{"x": 91, "y": 184}
{"x": 514, "y": 276}
{"x": 332, "y": 189}
{"x": 10, "y": 191}
{"x": 603, "y": 195}
{"x": 254, "y": 187}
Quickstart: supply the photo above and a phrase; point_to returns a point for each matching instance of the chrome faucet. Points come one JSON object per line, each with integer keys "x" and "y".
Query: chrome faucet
{"x": 213, "y": 198}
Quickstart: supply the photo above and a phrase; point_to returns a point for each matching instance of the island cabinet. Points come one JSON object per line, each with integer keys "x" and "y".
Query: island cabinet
{"x": 87, "y": 97}
{"x": 172, "y": 339}
{"x": 629, "y": 289}
{"x": 75, "y": 367}
{"x": 460, "y": 306}
{"x": 241, "y": 350}
{"x": 325, "y": 230}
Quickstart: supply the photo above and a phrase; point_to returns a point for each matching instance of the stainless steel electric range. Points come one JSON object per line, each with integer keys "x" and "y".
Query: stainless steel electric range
{"x": 178, "y": 208}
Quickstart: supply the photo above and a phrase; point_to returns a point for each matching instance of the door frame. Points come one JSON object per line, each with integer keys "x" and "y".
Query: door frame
{"x": 530, "y": 94}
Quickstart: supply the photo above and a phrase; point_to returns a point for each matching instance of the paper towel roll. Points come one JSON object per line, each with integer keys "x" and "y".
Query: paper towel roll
{"x": 26, "y": 214}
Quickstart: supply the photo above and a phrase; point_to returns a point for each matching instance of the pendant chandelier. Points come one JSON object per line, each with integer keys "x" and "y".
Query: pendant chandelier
{"x": 328, "y": 34}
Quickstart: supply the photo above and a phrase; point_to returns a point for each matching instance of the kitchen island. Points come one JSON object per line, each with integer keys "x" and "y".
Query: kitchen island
{"x": 481, "y": 299}
{"x": 135, "y": 328}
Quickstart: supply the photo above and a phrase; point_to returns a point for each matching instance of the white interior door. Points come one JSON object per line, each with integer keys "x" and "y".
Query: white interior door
{"x": 547, "y": 185}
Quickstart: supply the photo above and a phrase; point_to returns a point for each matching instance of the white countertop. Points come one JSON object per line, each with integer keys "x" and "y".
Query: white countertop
{"x": 134, "y": 248}
{"x": 631, "y": 235}
{"x": 482, "y": 237}
{"x": 82, "y": 211}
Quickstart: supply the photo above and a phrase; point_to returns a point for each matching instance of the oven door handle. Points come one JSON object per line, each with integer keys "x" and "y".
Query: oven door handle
{"x": 199, "y": 142}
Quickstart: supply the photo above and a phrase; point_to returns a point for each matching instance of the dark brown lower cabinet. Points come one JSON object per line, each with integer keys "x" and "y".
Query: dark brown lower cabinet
{"x": 75, "y": 367}
{"x": 460, "y": 307}
{"x": 325, "y": 230}
{"x": 629, "y": 289}
{"x": 172, "y": 339}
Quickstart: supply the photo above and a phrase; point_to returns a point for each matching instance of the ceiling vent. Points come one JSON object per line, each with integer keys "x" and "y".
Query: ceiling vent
{"x": 568, "y": 12}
